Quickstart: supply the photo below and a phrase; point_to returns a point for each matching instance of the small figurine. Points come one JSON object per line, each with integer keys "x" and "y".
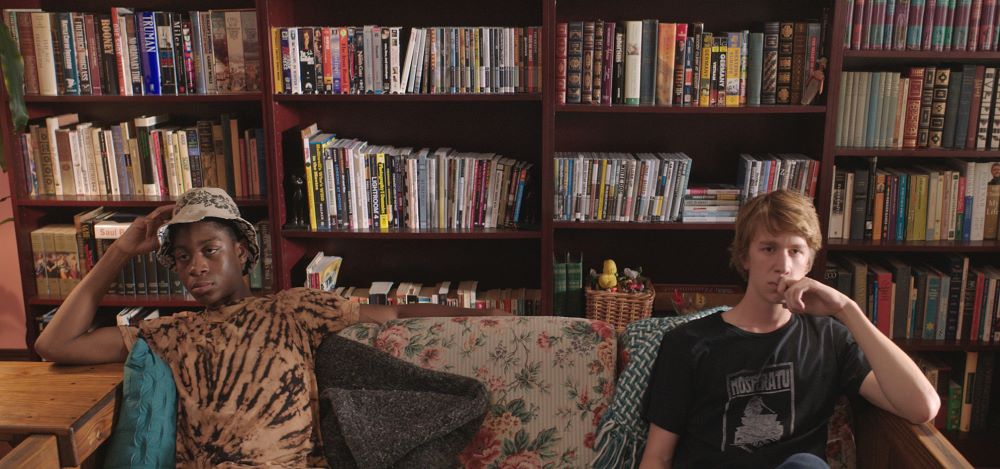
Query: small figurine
{"x": 814, "y": 86}
{"x": 298, "y": 200}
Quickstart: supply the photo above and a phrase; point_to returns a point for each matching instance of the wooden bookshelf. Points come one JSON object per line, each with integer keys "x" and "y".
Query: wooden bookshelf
{"x": 527, "y": 127}
{"x": 990, "y": 246}
{"x": 690, "y": 110}
{"x": 925, "y": 345}
{"x": 918, "y": 153}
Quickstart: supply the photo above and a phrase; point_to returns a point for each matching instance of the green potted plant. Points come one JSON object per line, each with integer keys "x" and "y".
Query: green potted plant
{"x": 13, "y": 79}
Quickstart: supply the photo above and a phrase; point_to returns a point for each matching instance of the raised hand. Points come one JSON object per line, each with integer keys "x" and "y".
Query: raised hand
{"x": 140, "y": 237}
{"x": 806, "y": 295}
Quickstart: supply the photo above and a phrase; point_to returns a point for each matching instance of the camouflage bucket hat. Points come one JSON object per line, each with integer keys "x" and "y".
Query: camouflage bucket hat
{"x": 198, "y": 204}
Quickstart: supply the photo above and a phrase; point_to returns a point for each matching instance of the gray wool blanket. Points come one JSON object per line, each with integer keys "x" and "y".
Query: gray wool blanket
{"x": 377, "y": 411}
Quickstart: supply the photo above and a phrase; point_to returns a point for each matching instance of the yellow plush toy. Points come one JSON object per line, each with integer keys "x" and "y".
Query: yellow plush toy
{"x": 609, "y": 278}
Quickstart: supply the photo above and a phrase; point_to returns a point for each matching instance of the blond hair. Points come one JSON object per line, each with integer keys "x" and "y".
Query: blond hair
{"x": 775, "y": 212}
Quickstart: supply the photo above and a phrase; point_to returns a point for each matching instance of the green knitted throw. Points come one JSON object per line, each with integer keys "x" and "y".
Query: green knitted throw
{"x": 621, "y": 435}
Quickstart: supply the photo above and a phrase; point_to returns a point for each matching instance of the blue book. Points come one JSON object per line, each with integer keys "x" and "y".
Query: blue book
{"x": 756, "y": 51}
{"x": 194, "y": 155}
{"x": 890, "y": 16}
{"x": 149, "y": 52}
{"x": 929, "y": 330}
{"x": 915, "y": 29}
{"x": 904, "y": 183}
{"x": 70, "y": 71}
{"x": 874, "y": 105}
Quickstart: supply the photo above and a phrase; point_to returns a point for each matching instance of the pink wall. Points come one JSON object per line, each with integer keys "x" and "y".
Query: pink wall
{"x": 11, "y": 298}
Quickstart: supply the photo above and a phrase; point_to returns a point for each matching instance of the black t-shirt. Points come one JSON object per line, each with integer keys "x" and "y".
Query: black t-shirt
{"x": 741, "y": 399}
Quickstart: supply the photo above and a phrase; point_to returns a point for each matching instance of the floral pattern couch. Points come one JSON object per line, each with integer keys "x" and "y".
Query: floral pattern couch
{"x": 550, "y": 380}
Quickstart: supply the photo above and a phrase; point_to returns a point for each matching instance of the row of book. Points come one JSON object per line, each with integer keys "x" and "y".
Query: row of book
{"x": 966, "y": 392}
{"x": 629, "y": 187}
{"x": 767, "y": 173}
{"x": 957, "y": 201}
{"x": 144, "y": 156}
{"x": 932, "y": 107}
{"x": 127, "y": 52}
{"x": 368, "y": 60}
{"x": 716, "y": 203}
{"x": 464, "y": 294}
{"x": 130, "y": 316}
{"x": 649, "y": 62}
{"x": 63, "y": 254}
{"x": 352, "y": 184}
{"x": 322, "y": 271}
{"x": 939, "y": 25}
{"x": 934, "y": 299}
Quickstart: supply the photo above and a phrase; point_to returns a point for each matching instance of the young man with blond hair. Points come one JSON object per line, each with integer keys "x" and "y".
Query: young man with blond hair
{"x": 755, "y": 386}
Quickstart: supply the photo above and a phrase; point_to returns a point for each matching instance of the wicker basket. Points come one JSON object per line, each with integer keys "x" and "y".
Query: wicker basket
{"x": 619, "y": 309}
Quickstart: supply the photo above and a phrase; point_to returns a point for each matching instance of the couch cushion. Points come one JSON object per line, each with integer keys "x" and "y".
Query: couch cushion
{"x": 145, "y": 433}
{"x": 622, "y": 434}
{"x": 550, "y": 380}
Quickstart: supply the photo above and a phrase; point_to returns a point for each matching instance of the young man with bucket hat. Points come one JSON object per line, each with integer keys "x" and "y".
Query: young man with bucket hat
{"x": 243, "y": 366}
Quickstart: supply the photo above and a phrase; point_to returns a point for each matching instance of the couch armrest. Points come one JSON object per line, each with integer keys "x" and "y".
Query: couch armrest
{"x": 885, "y": 440}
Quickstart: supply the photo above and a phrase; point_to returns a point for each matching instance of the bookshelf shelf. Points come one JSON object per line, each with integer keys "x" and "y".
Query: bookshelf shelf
{"x": 918, "y": 153}
{"x": 119, "y": 201}
{"x": 585, "y": 108}
{"x": 121, "y": 301}
{"x": 913, "y": 246}
{"x": 979, "y": 447}
{"x": 406, "y": 234}
{"x": 572, "y": 225}
{"x": 922, "y": 345}
{"x": 862, "y": 57}
{"x": 189, "y": 98}
{"x": 373, "y": 98}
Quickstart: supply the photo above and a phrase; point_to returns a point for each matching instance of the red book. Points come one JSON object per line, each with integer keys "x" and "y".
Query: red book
{"x": 974, "y": 16}
{"x": 858, "y": 24}
{"x": 929, "y": 12}
{"x": 977, "y": 96}
{"x": 977, "y": 306}
{"x": 883, "y": 301}
{"x": 913, "y": 95}
{"x": 345, "y": 62}
{"x": 562, "y": 35}
{"x": 986, "y": 20}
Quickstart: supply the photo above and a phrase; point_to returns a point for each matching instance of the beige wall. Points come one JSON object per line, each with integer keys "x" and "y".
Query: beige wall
{"x": 11, "y": 299}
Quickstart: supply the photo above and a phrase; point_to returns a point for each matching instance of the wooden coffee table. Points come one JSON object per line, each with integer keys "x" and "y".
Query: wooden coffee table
{"x": 76, "y": 404}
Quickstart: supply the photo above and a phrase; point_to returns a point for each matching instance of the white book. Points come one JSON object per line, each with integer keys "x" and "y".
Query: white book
{"x": 108, "y": 151}
{"x": 404, "y": 79}
{"x": 293, "y": 62}
{"x": 41, "y": 29}
{"x": 234, "y": 44}
{"x": 122, "y": 56}
{"x": 983, "y": 177}
{"x": 395, "y": 74}
{"x": 185, "y": 159}
{"x": 633, "y": 56}
{"x": 848, "y": 203}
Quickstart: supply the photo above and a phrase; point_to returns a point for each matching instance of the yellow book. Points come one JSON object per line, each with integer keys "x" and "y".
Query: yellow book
{"x": 307, "y": 133}
{"x": 600, "y": 192}
{"x": 704, "y": 94}
{"x": 733, "y": 70}
{"x": 276, "y": 60}
{"x": 383, "y": 189}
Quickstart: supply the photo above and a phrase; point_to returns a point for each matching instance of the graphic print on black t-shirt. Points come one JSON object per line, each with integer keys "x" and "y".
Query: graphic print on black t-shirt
{"x": 760, "y": 409}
